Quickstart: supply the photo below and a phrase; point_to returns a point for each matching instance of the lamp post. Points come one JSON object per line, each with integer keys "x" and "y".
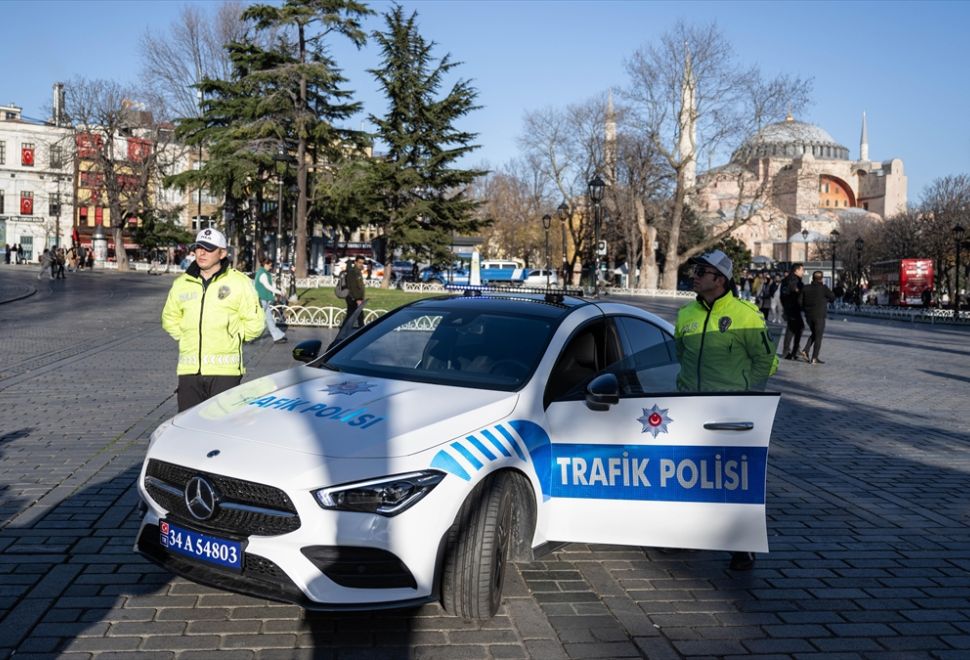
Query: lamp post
{"x": 563, "y": 213}
{"x": 805, "y": 238}
{"x": 280, "y": 157}
{"x": 546, "y": 221}
{"x": 858, "y": 265}
{"x": 596, "y": 188}
{"x": 957, "y": 237}
{"x": 835, "y": 246}
{"x": 291, "y": 248}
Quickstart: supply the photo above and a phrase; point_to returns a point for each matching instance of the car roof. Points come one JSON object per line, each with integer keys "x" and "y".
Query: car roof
{"x": 538, "y": 304}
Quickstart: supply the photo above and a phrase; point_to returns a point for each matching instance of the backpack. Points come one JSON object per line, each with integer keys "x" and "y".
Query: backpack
{"x": 342, "y": 290}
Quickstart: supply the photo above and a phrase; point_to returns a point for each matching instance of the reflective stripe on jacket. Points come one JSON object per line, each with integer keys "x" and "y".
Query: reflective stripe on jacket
{"x": 723, "y": 347}
{"x": 211, "y": 322}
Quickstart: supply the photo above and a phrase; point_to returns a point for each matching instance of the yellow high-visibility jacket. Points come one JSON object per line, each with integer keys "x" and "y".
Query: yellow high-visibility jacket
{"x": 210, "y": 321}
{"x": 723, "y": 347}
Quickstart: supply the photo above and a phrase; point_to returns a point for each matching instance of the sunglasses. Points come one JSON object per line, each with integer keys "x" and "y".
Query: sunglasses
{"x": 701, "y": 271}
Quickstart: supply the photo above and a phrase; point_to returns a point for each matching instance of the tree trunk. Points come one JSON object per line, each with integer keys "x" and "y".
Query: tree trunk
{"x": 648, "y": 257}
{"x": 301, "y": 169}
{"x": 672, "y": 262}
{"x": 121, "y": 257}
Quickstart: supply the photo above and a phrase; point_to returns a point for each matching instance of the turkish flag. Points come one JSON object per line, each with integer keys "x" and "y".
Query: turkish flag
{"x": 76, "y": 237}
{"x": 26, "y": 206}
{"x": 27, "y": 156}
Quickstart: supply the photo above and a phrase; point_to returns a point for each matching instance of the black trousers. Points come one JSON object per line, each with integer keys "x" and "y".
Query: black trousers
{"x": 817, "y": 326}
{"x": 351, "y": 308}
{"x": 793, "y": 331}
{"x": 196, "y": 389}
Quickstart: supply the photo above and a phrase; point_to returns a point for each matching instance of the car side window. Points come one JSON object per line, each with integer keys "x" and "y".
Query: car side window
{"x": 649, "y": 361}
{"x": 593, "y": 348}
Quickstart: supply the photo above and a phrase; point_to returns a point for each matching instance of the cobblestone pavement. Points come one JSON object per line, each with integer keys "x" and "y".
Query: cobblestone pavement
{"x": 868, "y": 505}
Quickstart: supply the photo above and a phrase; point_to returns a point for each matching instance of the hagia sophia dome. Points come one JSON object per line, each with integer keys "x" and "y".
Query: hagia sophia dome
{"x": 791, "y": 139}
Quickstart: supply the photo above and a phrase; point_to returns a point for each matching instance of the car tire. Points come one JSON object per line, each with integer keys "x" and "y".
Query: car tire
{"x": 478, "y": 551}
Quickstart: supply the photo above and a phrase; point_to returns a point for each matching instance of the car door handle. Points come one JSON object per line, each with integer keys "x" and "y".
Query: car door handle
{"x": 729, "y": 426}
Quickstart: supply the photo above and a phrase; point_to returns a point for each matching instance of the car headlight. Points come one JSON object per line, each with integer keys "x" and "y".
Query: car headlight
{"x": 387, "y": 496}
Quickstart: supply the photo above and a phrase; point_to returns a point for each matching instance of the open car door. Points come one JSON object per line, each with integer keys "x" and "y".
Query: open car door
{"x": 667, "y": 470}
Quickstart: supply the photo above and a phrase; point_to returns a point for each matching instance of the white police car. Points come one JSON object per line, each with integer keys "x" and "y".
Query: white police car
{"x": 414, "y": 459}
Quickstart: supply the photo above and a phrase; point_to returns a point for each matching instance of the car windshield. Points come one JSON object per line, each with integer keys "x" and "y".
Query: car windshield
{"x": 479, "y": 348}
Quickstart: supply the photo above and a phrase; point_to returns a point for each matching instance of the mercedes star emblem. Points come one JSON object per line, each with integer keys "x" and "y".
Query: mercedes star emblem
{"x": 200, "y": 498}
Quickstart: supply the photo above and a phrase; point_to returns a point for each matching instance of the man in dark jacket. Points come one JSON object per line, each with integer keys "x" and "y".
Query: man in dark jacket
{"x": 791, "y": 304}
{"x": 355, "y": 287}
{"x": 815, "y": 299}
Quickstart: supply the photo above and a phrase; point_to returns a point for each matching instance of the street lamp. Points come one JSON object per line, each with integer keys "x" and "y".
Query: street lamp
{"x": 805, "y": 238}
{"x": 835, "y": 246}
{"x": 546, "y": 221}
{"x": 563, "y": 213}
{"x": 596, "y": 188}
{"x": 279, "y": 157}
{"x": 957, "y": 237}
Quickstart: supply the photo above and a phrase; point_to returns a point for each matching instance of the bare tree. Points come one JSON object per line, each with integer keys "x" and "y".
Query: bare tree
{"x": 191, "y": 49}
{"x": 513, "y": 202}
{"x": 121, "y": 152}
{"x": 567, "y": 148}
{"x": 689, "y": 97}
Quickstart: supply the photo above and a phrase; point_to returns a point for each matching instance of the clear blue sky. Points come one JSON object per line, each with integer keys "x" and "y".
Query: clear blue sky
{"x": 907, "y": 64}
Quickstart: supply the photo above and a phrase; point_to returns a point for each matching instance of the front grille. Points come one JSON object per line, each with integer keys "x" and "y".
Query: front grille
{"x": 363, "y": 568}
{"x": 245, "y": 508}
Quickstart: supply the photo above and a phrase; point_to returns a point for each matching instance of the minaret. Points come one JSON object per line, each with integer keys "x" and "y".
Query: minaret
{"x": 687, "y": 143}
{"x": 864, "y": 140}
{"x": 609, "y": 144}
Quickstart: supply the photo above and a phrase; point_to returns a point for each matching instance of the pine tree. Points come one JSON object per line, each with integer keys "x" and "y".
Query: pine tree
{"x": 304, "y": 92}
{"x": 425, "y": 197}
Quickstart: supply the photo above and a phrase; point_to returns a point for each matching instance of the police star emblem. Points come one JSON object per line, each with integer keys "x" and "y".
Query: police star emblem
{"x": 349, "y": 387}
{"x": 655, "y": 420}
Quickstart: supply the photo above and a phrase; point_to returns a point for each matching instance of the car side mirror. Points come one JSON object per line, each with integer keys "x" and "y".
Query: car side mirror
{"x": 603, "y": 392}
{"x": 307, "y": 351}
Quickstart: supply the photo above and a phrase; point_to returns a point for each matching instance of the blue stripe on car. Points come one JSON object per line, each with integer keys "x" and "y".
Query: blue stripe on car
{"x": 495, "y": 441}
{"x": 445, "y": 462}
{"x": 480, "y": 447}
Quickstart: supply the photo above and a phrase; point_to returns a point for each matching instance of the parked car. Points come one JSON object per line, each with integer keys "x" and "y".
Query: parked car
{"x": 414, "y": 459}
{"x": 441, "y": 275}
{"x": 496, "y": 271}
{"x": 538, "y": 278}
{"x": 372, "y": 269}
{"x": 402, "y": 271}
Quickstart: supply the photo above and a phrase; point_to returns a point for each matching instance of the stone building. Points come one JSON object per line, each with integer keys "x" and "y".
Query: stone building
{"x": 793, "y": 176}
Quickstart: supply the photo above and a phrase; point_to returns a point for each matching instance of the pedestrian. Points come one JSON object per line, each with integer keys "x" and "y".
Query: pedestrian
{"x": 926, "y": 296}
{"x": 777, "y": 313}
{"x": 764, "y": 296}
{"x": 267, "y": 296}
{"x": 46, "y": 265}
{"x": 791, "y": 304}
{"x": 722, "y": 343}
{"x": 815, "y": 299}
{"x": 89, "y": 263}
{"x": 16, "y": 254}
{"x": 59, "y": 260}
{"x": 6, "y": 253}
{"x": 355, "y": 288}
{"x": 210, "y": 311}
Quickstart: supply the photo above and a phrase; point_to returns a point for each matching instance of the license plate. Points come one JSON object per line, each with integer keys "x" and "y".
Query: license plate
{"x": 201, "y": 547}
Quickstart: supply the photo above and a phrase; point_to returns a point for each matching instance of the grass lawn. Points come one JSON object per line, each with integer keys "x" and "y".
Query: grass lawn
{"x": 376, "y": 298}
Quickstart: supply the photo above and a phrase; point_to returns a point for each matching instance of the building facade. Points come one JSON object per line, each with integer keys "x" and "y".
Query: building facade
{"x": 36, "y": 183}
{"x": 792, "y": 177}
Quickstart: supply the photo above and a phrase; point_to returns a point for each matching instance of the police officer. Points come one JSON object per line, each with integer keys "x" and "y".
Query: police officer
{"x": 722, "y": 342}
{"x": 210, "y": 311}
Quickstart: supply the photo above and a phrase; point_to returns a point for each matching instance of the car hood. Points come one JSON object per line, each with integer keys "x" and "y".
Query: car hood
{"x": 323, "y": 413}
